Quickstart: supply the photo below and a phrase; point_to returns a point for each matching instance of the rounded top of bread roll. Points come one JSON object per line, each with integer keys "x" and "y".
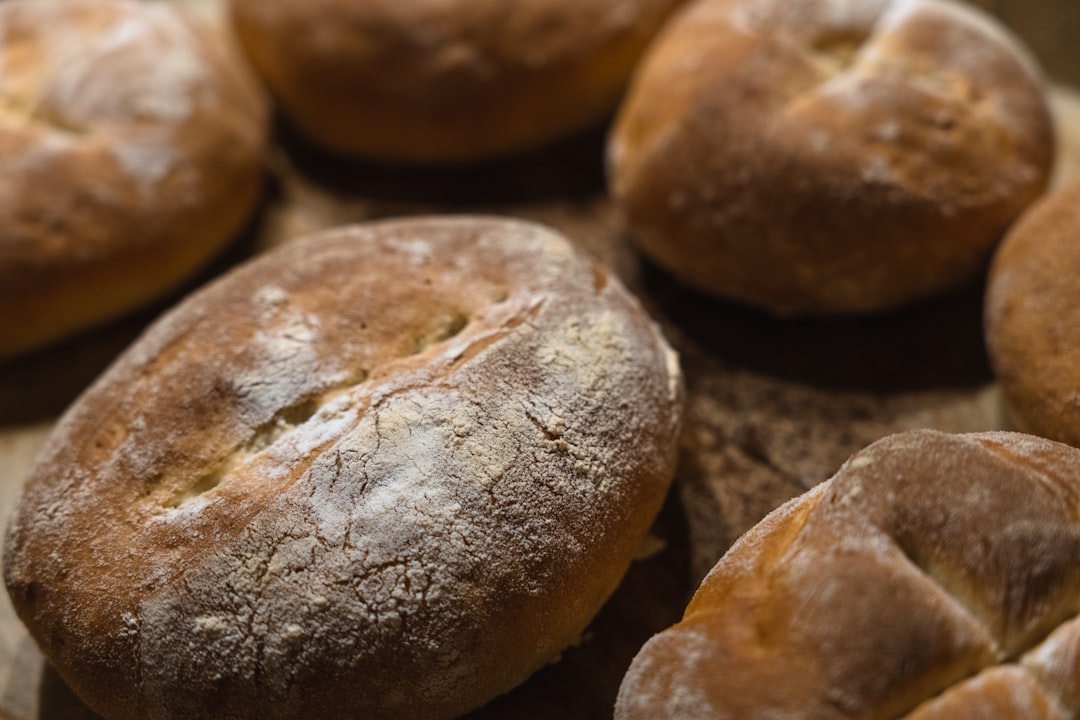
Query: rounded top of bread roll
{"x": 443, "y": 81}
{"x": 1032, "y": 312}
{"x": 934, "y": 576}
{"x": 829, "y": 156}
{"x": 131, "y": 141}
{"x": 386, "y": 472}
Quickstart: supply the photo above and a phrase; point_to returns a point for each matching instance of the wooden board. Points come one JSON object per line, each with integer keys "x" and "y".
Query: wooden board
{"x": 774, "y": 406}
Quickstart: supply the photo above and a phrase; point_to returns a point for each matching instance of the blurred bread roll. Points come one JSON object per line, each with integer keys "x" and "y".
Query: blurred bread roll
{"x": 131, "y": 145}
{"x": 829, "y": 156}
{"x": 1033, "y": 318}
{"x": 445, "y": 81}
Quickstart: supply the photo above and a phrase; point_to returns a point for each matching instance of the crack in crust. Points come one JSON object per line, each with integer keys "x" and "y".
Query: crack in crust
{"x": 295, "y": 415}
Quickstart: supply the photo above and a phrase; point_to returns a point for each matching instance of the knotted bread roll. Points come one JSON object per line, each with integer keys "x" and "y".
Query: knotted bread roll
{"x": 935, "y": 577}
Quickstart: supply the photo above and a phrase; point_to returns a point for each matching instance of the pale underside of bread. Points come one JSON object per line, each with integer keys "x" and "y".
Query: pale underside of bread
{"x": 934, "y": 576}
{"x": 387, "y": 473}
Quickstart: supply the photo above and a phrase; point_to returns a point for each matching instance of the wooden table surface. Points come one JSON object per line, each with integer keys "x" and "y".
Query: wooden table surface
{"x": 774, "y": 407}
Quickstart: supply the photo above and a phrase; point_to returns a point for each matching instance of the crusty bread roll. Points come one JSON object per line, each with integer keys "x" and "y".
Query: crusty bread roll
{"x": 437, "y": 81}
{"x": 1033, "y": 318}
{"x": 829, "y": 156}
{"x": 130, "y": 152}
{"x": 934, "y": 577}
{"x": 387, "y": 472}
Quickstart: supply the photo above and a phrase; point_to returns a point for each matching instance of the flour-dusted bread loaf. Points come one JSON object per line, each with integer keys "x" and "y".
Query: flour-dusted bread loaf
{"x": 1033, "y": 318}
{"x": 131, "y": 145}
{"x": 829, "y": 156}
{"x": 935, "y": 577}
{"x": 387, "y": 472}
{"x": 438, "y": 81}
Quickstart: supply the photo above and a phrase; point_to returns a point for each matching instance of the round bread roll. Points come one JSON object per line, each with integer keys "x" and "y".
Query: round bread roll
{"x": 1032, "y": 317}
{"x": 441, "y": 81}
{"x": 934, "y": 577}
{"x": 829, "y": 156}
{"x": 130, "y": 152}
{"x": 387, "y": 472}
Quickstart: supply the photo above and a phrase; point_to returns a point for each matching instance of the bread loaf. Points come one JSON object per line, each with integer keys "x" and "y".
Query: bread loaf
{"x": 387, "y": 472}
{"x": 829, "y": 156}
{"x": 934, "y": 577}
{"x": 1032, "y": 316}
{"x": 131, "y": 149}
{"x": 441, "y": 81}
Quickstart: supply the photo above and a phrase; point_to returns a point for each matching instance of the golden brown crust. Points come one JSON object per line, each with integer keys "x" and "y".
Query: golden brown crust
{"x": 384, "y": 473}
{"x": 130, "y": 151}
{"x": 928, "y": 572}
{"x": 1001, "y": 693}
{"x": 815, "y": 157}
{"x": 1056, "y": 664}
{"x": 1032, "y": 312}
{"x": 435, "y": 81}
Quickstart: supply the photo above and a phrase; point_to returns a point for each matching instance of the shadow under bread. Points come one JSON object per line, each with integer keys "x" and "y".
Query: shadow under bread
{"x": 935, "y": 344}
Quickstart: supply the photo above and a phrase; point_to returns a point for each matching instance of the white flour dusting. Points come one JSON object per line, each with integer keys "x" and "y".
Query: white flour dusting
{"x": 394, "y": 529}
